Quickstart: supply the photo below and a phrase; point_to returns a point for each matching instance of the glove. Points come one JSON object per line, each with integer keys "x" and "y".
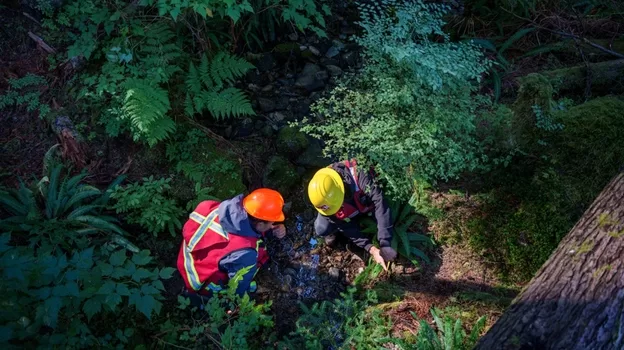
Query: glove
{"x": 388, "y": 254}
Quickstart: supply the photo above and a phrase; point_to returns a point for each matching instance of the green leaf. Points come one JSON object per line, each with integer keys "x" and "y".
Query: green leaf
{"x": 52, "y": 307}
{"x": 122, "y": 289}
{"x": 142, "y": 258}
{"x": 4, "y": 242}
{"x": 120, "y": 272}
{"x": 140, "y": 274}
{"x": 158, "y": 285}
{"x": 118, "y": 258}
{"x": 107, "y": 269}
{"x": 146, "y": 305}
{"x": 92, "y": 307}
{"x": 135, "y": 297}
{"x": 112, "y": 300}
{"x": 107, "y": 288}
{"x": 6, "y": 334}
{"x": 148, "y": 289}
{"x": 167, "y": 272}
{"x": 512, "y": 39}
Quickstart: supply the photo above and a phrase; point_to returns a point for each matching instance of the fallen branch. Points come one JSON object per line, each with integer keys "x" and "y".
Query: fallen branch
{"x": 41, "y": 43}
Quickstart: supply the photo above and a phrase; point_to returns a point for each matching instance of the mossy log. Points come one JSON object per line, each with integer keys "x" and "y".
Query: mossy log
{"x": 607, "y": 77}
{"x": 575, "y": 300}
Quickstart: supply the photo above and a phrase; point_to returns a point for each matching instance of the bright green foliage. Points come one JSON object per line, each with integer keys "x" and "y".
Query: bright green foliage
{"x": 345, "y": 323}
{"x": 408, "y": 244}
{"x": 51, "y": 301}
{"x": 206, "y": 87}
{"x": 148, "y": 205}
{"x": 411, "y": 110}
{"x": 197, "y": 158}
{"x": 69, "y": 211}
{"x": 145, "y": 106}
{"x": 25, "y": 92}
{"x": 449, "y": 336}
{"x": 246, "y": 326}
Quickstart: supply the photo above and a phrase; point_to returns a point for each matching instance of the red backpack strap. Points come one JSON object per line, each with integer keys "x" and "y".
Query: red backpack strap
{"x": 352, "y": 166}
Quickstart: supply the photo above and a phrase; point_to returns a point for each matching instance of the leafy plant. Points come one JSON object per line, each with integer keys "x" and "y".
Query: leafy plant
{"x": 449, "y": 336}
{"x": 408, "y": 244}
{"x": 24, "y": 92}
{"x": 344, "y": 323}
{"x": 53, "y": 300}
{"x": 146, "y": 204}
{"x": 206, "y": 87}
{"x": 411, "y": 111}
{"x": 67, "y": 210}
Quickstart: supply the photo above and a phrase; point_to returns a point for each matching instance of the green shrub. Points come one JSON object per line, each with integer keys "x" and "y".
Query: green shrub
{"x": 344, "y": 323}
{"x": 147, "y": 204}
{"x": 70, "y": 212}
{"x": 54, "y": 300}
{"x": 24, "y": 92}
{"x": 411, "y": 110}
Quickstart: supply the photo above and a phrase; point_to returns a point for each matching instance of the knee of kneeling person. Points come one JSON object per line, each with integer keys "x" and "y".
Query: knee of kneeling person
{"x": 322, "y": 226}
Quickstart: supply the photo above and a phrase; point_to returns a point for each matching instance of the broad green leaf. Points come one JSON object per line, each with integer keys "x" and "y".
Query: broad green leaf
{"x": 167, "y": 272}
{"x": 135, "y": 297}
{"x": 120, "y": 272}
{"x": 107, "y": 288}
{"x": 92, "y": 307}
{"x": 140, "y": 274}
{"x": 112, "y": 300}
{"x": 148, "y": 289}
{"x": 158, "y": 285}
{"x": 107, "y": 269}
{"x": 146, "y": 305}
{"x": 52, "y": 307}
{"x": 142, "y": 258}
{"x": 118, "y": 258}
{"x": 122, "y": 289}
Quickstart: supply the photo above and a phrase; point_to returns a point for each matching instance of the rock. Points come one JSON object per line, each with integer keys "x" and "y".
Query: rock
{"x": 266, "y": 105}
{"x": 350, "y": 59}
{"x": 332, "y": 52}
{"x": 265, "y": 63}
{"x": 293, "y": 36}
{"x": 286, "y": 283}
{"x": 280, "y": 175}
{"x": 334, "y": 71}
{"x": 282, "y": 103}
{"x": 322, "y": 75}
{"x": 309, "y": 83}
{"x": 334, "y": 272}
{"x": 310, "y": 69}
{"x": 267, "y": 88}
{"x": 313, "y": 157}
{"x": 314, "y": 50}
{"x": 290, "y": 271}
{"x": 267, "y": 131}
{"x": 291, "y": 142}
{"x": 258, "y": 125}
{"x": 253, "y": 87}
{"x": 276, "y": 117}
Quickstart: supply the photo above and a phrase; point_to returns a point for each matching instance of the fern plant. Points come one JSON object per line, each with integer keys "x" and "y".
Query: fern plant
{"x": 206, "y": 86}
{"x": 60, "y": 211}
{"x": 147, "y": 204}
{"x": 23, "y": 92}
{"x": 449, "y": 336}
{"x": 407, "y": 243}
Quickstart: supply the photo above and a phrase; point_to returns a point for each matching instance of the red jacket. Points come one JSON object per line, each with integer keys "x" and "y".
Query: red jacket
{"x": 205, "y": 243}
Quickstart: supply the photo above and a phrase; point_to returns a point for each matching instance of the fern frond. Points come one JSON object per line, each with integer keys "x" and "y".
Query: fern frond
{"x": 146, "y": 107}
{"x": 227, "y": 103}
{"x": 189, "y": 109}
{"x": 224, "y": 68}
{"x": 193, "y": 80}
{"x": 204, "y": 73}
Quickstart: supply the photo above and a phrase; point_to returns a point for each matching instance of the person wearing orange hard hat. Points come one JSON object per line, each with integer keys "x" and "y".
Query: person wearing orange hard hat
{"x": 223, "y": 238}
{"x": 342, "y": 193}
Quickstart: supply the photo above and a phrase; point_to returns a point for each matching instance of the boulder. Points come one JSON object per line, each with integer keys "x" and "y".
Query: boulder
{"x": 313, "y": 157}
{"x": 266, "y": 105}
{"x": 280, "y": 175}
{"x": 291, "y": 142}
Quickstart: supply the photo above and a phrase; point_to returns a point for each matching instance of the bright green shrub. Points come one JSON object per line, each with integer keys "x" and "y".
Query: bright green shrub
{"x": 411, "y": 110}
{"x": 24, "y": 92}
{"x": 345, "y": 323}
{"x": 148, "y": 204}
{"x": 69, "y": 211}
{"x": 54, "y": 300}
{"x": 449, "y": 336}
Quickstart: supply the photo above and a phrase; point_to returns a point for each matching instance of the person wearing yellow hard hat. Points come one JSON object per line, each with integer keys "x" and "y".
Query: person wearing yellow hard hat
{"x": 342, "y": 193}
{"x": 220, "y": 239}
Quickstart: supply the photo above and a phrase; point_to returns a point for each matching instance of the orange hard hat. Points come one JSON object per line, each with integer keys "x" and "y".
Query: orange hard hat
{"x": 264, "y": 204}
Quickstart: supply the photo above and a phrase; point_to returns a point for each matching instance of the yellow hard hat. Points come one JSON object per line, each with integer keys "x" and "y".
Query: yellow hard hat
{"x": 326, "y": 191}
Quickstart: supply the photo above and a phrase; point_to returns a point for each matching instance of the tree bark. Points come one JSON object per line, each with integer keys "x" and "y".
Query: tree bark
{"x": 576, "y": 300}
{"x": 605, "y": 76}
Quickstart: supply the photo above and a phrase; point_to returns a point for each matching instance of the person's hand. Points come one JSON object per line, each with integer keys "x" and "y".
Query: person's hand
{"x": 279, "y": 231}
{"x": 374, "y": 251}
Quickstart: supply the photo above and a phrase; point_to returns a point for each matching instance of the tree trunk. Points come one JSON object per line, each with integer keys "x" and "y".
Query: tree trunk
{"x": 576, "y": 300}
{"x": 604, "y": 76}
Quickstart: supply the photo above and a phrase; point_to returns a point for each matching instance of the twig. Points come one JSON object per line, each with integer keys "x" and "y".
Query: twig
{"x": 31, "y": 18}
{"x": 41, "y": 43}
{"x": 568, "y": 35}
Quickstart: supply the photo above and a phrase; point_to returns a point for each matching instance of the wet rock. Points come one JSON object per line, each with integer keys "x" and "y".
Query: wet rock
{"x": 332, "y": 52}
{"x": 293, "y": 36}
{"x": 267, "y": 88}
{"x": 310, "y": 69}
{"x": 253, "y": 88}
{"x": 266, "y": 105}
{"x": 314, "y": 50}
{"x": 280, "y": 175}
{"x": 334, "y": 71}
{"x": 258, "y": 125}
{"x": 267, "y": 131}
{"x": 321, "y": 75}
{"x": 286, "y": 283}
{"x": 277, "y": 117}
{"x": 313, "y": 157}
{"x": 334, "y": 272}
{"x": 350, "y": 59}
{"x": 309, "y": 83}
{"x": 291, "y": 142}
{"x": 265, "y": 63}
{"x": 282, "y": 103}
